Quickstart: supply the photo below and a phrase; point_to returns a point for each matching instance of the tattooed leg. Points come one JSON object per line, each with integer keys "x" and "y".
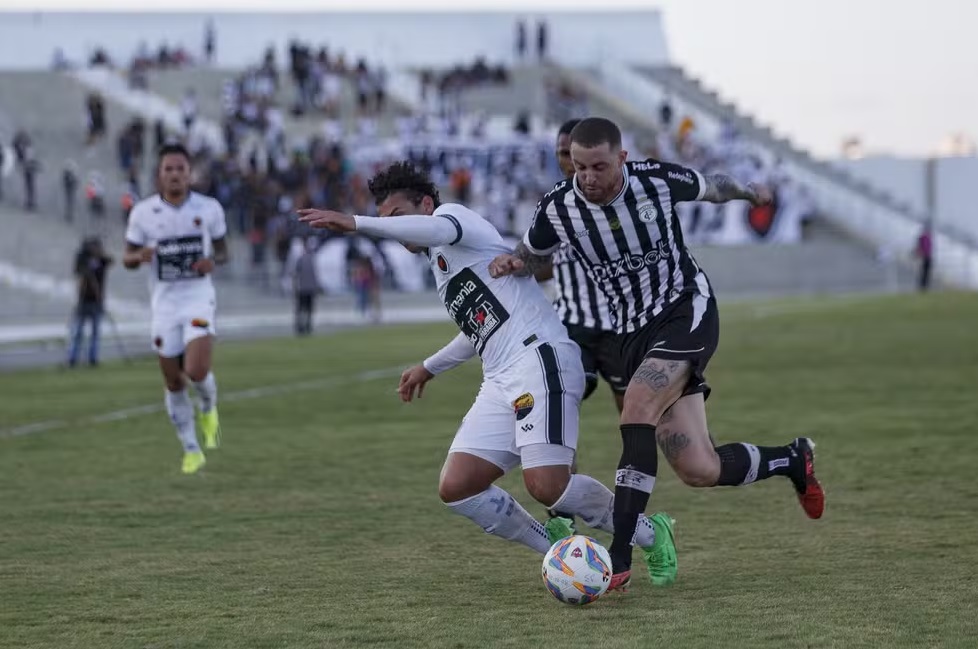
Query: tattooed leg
{"x": 686, "y": 444}
{"x": 653, "y": 388}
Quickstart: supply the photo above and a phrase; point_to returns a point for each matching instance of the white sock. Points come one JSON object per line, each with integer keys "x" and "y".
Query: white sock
{"x": 207, "y": 391}
{"x": 644, "y": 532}
{"x": 589, "y": 500}
{"x": 181, "y": 411}
{"x": 499, "y": 514}
{"x": 594, "y": 504}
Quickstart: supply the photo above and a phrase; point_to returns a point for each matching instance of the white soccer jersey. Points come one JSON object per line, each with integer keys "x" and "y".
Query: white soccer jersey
{"x": 503, "y": 318}
{"x": 181, "y": 234}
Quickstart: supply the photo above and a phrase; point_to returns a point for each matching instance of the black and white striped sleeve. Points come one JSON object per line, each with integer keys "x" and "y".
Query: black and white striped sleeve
{"x": 684, "y": 184}
{"x": 541, "y": 238}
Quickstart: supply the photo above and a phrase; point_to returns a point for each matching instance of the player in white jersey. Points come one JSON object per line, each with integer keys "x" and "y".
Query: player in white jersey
{"x": 181, "y": 235}
{"x": 527, "y": 409}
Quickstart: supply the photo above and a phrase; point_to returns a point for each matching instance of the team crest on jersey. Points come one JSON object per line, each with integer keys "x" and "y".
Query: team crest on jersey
{"x": 614, "y": 224}
{"x": 523, "y": 405}
{"x": 197, "y": 221}
{"x": 157, "y": 342}
{"x": 442, "y": 263}
{"x": 647, "y": 214}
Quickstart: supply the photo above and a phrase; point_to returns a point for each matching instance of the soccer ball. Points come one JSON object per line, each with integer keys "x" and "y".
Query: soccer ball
{"x": 577, "y": 570}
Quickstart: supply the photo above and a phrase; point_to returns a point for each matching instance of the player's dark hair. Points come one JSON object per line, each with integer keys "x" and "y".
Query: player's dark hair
{"x": 172, "y": 148}
{"x": 595, "y": 131}
{"x": 568, "y": 126}
{"x": 403, "y": 178}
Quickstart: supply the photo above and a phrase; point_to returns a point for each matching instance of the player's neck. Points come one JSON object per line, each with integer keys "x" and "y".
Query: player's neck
{"x": 610, "y": 198}
{"x": 176, "y": 199}
{"x": 620, "y": 185}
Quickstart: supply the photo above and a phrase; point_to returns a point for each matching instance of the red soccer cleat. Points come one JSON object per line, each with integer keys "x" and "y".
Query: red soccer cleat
{"x": 620, "y": 581}
{"x": 810, "y": 492}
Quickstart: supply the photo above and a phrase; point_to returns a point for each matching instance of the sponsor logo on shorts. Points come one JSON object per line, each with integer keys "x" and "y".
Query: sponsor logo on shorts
{"x": 523, "y": 405}
{"x": 200, "y": 323}
{"x": 442, "y": 263}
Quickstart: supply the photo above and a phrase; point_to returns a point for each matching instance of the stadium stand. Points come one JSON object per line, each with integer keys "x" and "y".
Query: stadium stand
{"x": 485, "y": 131}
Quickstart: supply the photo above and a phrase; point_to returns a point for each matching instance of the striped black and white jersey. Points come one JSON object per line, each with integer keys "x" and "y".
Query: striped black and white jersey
{"x": 632, "y": 247}
{"x": 579, "y": 300}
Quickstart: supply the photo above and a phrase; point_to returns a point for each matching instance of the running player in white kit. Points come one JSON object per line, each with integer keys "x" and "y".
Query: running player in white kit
{"x": 526, "y": 412}
{"x": 181, "y": 234}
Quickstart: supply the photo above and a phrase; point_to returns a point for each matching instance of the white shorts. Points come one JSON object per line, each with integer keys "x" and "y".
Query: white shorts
{"x": 537, "y": 401}
{"x": 173, "y": 329}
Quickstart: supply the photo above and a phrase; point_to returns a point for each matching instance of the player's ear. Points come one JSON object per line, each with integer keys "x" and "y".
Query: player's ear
{"x": 622, "y": 156}
{"x": 427, "y": 205}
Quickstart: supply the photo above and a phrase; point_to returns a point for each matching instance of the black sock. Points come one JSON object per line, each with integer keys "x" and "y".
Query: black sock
{"x": 633, "y": 484}
{"x": 746, "y": 463}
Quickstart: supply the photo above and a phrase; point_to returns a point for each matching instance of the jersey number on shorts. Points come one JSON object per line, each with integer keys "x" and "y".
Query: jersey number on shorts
{"x": 474, "y": 308}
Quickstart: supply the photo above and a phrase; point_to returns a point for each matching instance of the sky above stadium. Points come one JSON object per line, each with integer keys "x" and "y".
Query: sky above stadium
{"x": 899, "y": 74}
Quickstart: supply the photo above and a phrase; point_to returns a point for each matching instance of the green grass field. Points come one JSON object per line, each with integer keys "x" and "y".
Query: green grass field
{"x": 318, "y": 523}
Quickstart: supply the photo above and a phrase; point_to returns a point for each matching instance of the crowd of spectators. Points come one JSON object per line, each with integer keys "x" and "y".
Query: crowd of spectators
{"x": 262, "y": 178}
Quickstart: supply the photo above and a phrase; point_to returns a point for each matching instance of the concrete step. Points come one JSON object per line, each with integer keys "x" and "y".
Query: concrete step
{"x": 51, "y": 108}
{"x": 208, "y": 84}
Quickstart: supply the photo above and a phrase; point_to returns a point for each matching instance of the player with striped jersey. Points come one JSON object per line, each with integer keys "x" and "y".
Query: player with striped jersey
{"x": 526, "y": 412}
{"x": 619, "y": 218}
{"x": 582, "y": 305}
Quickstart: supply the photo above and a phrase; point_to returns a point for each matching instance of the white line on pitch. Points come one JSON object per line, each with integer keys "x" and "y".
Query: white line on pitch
{"x": 238, "y": 395}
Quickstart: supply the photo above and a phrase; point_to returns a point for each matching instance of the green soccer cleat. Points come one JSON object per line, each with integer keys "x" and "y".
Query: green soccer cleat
{"x": 193, "y": 461}
{"x": 661, "y": 555}
{"x": 210, "y": 427}
{"x": 558, "y": 528}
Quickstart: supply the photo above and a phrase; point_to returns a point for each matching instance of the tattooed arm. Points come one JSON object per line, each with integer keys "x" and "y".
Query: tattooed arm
{"x": 720, "y": 188}
{"x": 532, "y": 263}
{"x": 521, "y": 263}
{"x": 533, "y": 255}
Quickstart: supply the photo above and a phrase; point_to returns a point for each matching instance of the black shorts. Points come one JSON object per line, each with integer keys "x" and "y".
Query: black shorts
{"x": 601, "y": 355}
{"x": 688, "y": 330}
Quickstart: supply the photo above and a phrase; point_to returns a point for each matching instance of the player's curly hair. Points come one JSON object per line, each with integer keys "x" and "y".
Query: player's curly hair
{"x": 403, "y": 177}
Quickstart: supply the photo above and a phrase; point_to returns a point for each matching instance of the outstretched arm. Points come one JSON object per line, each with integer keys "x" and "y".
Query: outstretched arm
{"x": 438, "y": 230}
{"x": 721, "y": 188}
